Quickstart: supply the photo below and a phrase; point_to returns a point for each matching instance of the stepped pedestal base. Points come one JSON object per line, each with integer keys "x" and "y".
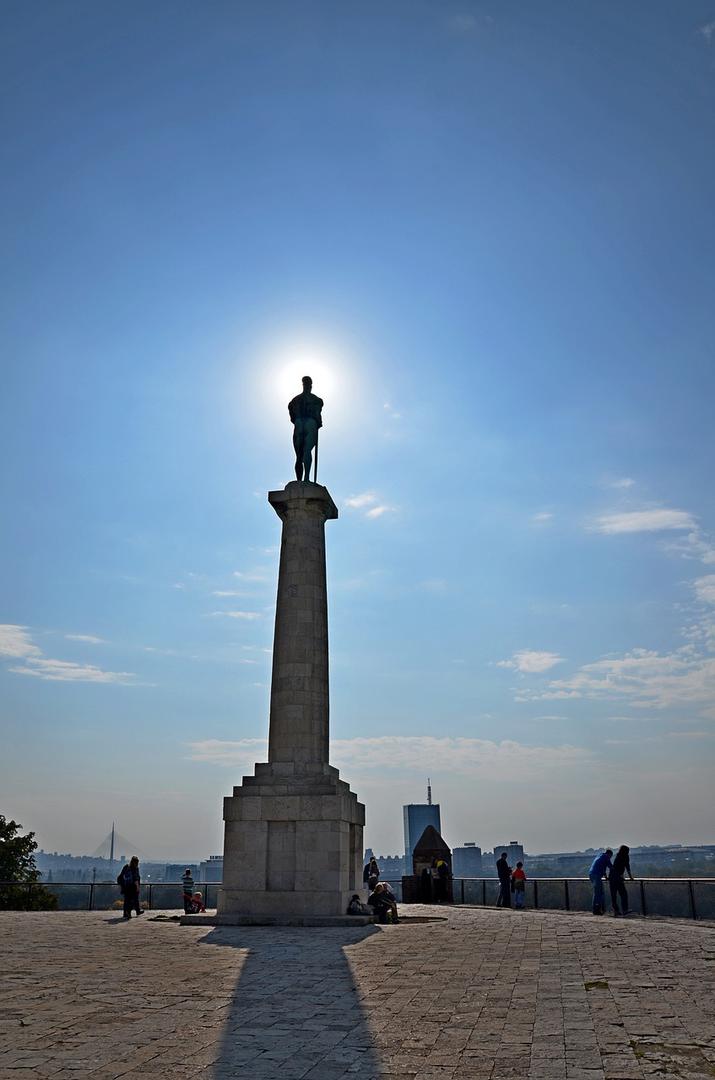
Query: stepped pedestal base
{"x": 292, "y": 849}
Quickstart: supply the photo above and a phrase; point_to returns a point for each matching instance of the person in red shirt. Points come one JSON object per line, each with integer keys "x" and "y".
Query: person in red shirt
{"x": 518, "y": 884}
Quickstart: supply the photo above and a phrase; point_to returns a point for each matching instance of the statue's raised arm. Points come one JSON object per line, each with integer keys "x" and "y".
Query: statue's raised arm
{"x": 305, "y": 412}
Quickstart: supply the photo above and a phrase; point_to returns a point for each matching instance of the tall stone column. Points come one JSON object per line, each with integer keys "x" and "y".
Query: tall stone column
{"x": 293, "y": 830}
{"x": 300, "y": 697}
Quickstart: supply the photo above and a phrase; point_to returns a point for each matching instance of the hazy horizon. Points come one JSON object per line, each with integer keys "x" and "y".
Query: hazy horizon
{"x": 487, "y": 232}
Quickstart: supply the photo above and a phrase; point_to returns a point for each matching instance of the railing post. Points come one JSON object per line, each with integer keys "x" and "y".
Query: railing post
{"x": 536, "y": 894}
{"x": 149, "y": 897}
{"x": 90, "y": 902}
{"x": 643, "y": 907}
{"x": 29, "y": 894}
{"x": 461, "y": 882}
{"x": 567, "y": 898}
{"x": 691, "y": 890}
{"x": 484, "y": 892}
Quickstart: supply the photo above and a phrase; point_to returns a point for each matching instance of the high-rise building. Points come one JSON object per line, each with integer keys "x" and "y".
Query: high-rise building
{"x": 467, "y": 861}
{"x": 514, "y": 852}
{"x": 211, "y": 869}
{"x": 417, "y": 816}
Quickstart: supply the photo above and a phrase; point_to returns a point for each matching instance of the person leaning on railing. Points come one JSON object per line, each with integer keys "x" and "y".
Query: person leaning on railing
{"x": 621, "y": 865}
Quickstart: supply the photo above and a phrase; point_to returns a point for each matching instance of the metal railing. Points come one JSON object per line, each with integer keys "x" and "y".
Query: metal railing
{"x": 685, "y": 898}
{"x": 692, "y": 898}
{"x": 105, "y": 895}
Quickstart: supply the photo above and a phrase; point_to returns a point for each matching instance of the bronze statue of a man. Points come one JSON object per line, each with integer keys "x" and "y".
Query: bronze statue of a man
{"x": 304, "y": 411}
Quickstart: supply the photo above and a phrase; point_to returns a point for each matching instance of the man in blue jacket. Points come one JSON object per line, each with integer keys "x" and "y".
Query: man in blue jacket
{"x": 600, "y": 865}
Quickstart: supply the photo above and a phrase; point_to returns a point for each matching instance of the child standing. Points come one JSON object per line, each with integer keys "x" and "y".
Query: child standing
{"x": 518, "y": 884}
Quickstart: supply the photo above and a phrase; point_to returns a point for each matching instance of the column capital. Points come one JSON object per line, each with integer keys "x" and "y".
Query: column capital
{"x": 301, "y": 495}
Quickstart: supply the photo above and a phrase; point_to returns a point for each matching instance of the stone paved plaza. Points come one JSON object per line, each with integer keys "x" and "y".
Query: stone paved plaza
{"x": 480, "y": 993}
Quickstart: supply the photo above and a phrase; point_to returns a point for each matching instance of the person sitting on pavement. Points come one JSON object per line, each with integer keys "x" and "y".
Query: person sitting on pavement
{"x": 384, "y": 908}
{"x": 356, "y": 906}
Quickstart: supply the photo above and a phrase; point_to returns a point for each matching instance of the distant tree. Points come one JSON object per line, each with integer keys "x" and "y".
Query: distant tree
{"x": 17, "y": 864}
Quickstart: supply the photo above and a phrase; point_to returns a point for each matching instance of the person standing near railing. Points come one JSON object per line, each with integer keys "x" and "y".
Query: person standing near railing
{"x": 504, "y": 872}
{"x": 621, "y": 866}
{"x": 187, "y": 883}
{"x": 129, "y": 882}
{"x": 518, "y": 881}
{"x": 599, "y": 867}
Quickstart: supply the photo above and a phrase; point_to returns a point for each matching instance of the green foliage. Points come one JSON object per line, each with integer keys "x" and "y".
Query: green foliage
{"x": 17, "y": 864}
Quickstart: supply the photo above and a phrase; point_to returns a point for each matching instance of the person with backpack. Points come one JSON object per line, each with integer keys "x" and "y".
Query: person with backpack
{"x": 129, "y": 881}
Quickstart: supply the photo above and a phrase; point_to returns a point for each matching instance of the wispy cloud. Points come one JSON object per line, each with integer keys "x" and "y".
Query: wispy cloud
{"x": 646, "y": 679}
{"x": 708, "y": 31}
{"x": 693, "y": 546}
{"x": 408, "y": 752}
{"x": 247, "y": 615}
{"x": 369, "y": 502}
{"x": 89, "y": 638}
{"x": 542, "y": 518}
{"x": 466, "y": 23}
{"x": 63, "y": 671}
{"x": 392, "y": 413}
{"x": 635, "y": 521}
{"x": 619, "y": 483}
{"x": 705, "y": 589}
{"x": 359, "y": 502}
{"x": 531, "y": 661}
{"x": 17, "y": 644}
{"x": 228, "y": 592}
{"x": 251, "y": 575}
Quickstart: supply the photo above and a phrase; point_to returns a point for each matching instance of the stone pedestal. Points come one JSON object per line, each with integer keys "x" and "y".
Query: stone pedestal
{"x": 293, "y": 838}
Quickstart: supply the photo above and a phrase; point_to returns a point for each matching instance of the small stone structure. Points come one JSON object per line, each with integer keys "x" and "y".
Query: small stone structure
{"x": 426, "y": 884}
{"x": 293, "y": 836}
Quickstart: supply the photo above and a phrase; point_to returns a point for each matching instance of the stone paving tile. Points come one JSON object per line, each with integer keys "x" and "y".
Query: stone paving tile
{"x": 479, "y": 994}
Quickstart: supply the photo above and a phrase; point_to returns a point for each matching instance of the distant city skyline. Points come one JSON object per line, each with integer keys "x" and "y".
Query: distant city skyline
{"x": 488, "y": 234}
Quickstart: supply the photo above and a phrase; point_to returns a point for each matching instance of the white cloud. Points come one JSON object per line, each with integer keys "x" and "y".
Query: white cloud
{"x": 89, "y": 638}
{"x": 620, "y": 483}
{"x": 705, "y": 588}
{"x": 359, "y": 502}
{"x": 541, "y": 518}
{"x": 693, "y": 546}
{"x": 646, "y": 679}
{"x": 708, "y": 30}
{"x": 392, "y": 413}
{"x": 15, "y": 642}
{"x": 228, "y": 592}
{"x": 248, "y": 615}
{"x": 421, "y": 753}
{"x": 635, "y": 521}
{"x": 250, "y": 575}
{"x": 369, "y": 502}
{"x": 63, "y": 671}
{"x": 530, "y": 661}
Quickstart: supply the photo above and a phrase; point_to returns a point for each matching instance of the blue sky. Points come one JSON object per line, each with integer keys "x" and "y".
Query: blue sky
{"x": 487, "y": 231}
